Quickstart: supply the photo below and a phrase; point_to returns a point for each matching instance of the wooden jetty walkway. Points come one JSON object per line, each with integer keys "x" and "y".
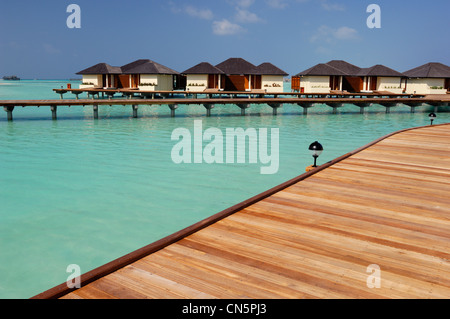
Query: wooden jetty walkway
{"x": 374, "y": 223}
{"x": 210, "y": 93}
{"x": 242, "y": 102}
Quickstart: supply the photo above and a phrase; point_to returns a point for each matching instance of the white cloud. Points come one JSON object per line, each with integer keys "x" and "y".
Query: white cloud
{"x": 245, "y": 16}
{"x": 278, "y": 4}
{"x": 327, "y": 34}
{"x": 332, "y": 6}
{"x": 243, "y": 3}
{"x": 281, "y": 4}
{"x": 225, "y": 27}
{"x": 345, "y": 33}
{"x": 205, "y": 14}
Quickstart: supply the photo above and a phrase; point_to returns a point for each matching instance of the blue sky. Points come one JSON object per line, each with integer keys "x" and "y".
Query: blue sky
{"x": 35, "y": 41}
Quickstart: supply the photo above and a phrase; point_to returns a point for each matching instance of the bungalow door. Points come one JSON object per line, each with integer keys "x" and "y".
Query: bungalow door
{"x": 135, "y": 80}
{"x": 335, "y": 82}
{"x": 124, "y": 81}
{"x": 235, "y": 83}
{"x": 213, "y": 81}
{"x": 108, "y": 80}
{"x": 295, "y": 83}
{"x": 373, "y": 83}
{"x": 256, "y": 82}
{"x": 353, "y": 84}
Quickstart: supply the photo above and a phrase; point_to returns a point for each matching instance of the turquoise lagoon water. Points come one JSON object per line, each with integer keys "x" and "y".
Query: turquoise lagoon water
{"x": 84, "y": 191}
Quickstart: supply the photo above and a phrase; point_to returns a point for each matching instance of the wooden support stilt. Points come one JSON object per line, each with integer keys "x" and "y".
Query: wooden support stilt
{"x": 362, "y": 106}
{"x": 243, "y": 107}
{"x": 305, "y": 107}
{"x": 9, "y": 110}
{"x": 335, "y": 106}
{"x": 208, "y": 108}
{"x": 135, "y": 111}
{"x": 275, "y": 107}
{"x": 95, "y": 109}
{"x": 53, "y": 108}
{"x": 172, "y": 107}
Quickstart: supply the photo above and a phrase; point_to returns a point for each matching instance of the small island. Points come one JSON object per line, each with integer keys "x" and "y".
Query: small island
{"x": 11, "y": 78}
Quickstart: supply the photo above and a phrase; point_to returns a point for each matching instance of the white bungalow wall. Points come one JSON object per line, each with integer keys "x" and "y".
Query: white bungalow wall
{"x": 272, "y": 83}
{"x": 95, "y": 79}
{"x": 424, "y": 86}
{"x": 391, "y": 84}
{"x": 196, "y": 82}
{"x": 156, "y": 82}
{"x": 315, "y": 84}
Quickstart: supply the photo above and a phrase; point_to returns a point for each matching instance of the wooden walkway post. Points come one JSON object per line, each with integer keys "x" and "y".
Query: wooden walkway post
{"x": 275, "y": 107}
{"x": 305, "y": 107}
{"x": 9, "y": 110}
{"x": 208, "y": 108}
{"x": 135, "y": 109}
{"x": 243, "y": 107}
{"x": 95, "y": 109}
{"x": 172, "y": 107}
{"x": 53, "y": 108}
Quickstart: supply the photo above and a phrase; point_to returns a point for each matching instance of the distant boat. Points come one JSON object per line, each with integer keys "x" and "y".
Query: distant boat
{"x": 11, "y": 78}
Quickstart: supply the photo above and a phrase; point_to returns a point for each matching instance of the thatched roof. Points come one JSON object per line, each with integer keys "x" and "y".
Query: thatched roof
{"x": 321, "y": 70}
{"x": 429, "y": 70}
{"x": 348, "y": 68}
{"x": 270, "y": 69}
{"x": 343, "y": 68}
{"x": 237, "y": 66}
{"x": 101, "y": 68}
{"x": 145, "y": 66}
{"x": 203, "y": 68}
{"x": 380, "y": 70}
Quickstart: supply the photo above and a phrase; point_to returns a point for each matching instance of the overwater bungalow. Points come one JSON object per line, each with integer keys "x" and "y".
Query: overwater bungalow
{"x": 238, "y": 75}
{"x": 339, "y": 75}
{"x": 203, "y": 76}
{"x": 271, "y": 77}
{"x": 320, "y": 78}
{"x": 101, "y": 75}
{"x": 141, "y": 74}
{"x": 234, "y": 74}
{"x": 381, "y": 78}
{"x": 430, "y": 78}
{"x": 148, "y": 75}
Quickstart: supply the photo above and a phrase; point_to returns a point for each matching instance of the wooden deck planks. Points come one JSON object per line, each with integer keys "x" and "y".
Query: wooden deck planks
{"x": 386, "y": 205}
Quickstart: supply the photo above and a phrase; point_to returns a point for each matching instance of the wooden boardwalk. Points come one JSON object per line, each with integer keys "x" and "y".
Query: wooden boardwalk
{"x": 386, "y": 204}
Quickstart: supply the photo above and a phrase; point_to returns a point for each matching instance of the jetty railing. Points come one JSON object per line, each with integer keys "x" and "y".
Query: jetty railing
{"x": 211, "y": 93}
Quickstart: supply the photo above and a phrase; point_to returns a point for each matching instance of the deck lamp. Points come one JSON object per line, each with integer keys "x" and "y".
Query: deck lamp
{"x": 316, "y": 149}
{"x": 432, "y": 116}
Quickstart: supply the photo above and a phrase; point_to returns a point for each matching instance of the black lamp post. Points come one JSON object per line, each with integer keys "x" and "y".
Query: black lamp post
{"x": 316, "y": 149}
{"x": 432, "y": 116}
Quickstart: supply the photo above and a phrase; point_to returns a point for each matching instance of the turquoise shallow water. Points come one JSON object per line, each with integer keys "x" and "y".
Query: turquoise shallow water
{"x": 84, "y": 191}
